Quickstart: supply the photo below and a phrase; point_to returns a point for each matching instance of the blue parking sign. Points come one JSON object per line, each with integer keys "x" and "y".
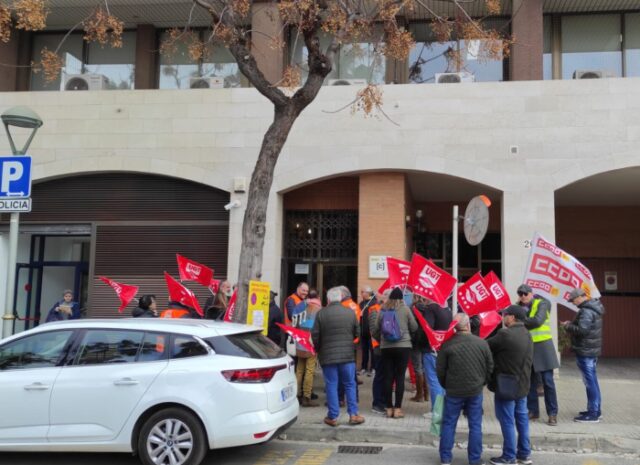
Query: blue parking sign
{"x": 15, "y": 177}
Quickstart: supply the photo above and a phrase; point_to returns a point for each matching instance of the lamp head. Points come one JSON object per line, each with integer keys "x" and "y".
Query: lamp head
{"x": 22, "y": 117}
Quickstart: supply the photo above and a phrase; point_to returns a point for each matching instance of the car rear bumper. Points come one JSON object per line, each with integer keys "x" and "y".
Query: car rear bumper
{"x": 240, "y": 431}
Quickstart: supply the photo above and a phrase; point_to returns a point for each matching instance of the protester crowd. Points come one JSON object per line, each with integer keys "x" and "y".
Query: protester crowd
{"x": 515, "y": 362}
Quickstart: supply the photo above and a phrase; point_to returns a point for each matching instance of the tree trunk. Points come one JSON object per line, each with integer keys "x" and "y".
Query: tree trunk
{"x": 255, "y": 216}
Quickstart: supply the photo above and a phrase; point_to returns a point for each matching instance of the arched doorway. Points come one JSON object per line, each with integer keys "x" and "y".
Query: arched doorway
{"x": 598, "y": 221}
{"x": 335, "y": 229}
{"x": 122, "y": 225}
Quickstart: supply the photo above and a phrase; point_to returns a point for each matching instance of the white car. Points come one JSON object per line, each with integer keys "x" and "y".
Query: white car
{"x": 166, "y": 389}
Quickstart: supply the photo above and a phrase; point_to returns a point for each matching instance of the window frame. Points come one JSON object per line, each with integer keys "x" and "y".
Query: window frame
{"x": 64, "y": 354}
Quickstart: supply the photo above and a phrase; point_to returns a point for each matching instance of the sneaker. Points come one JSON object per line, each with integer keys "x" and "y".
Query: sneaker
{"x": 314, "y": 396}
{"x": 586, "y": 412}
{"x": 369, "y": 373}
{"x": 502, "y": 461}
{"x": 428, "y": 415}
{"x": 363, "y": 372}
{"x": 587, "y": 419}
{"x": 525, "y": 461}
{"x": 378, "y": 410}
{"x": 307, "y": 402}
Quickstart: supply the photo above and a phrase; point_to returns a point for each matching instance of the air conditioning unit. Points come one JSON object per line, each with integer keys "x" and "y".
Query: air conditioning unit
{"x": 454, "y": 78}
{"x": 347, "y": 82}
{"x": 84, "y": 82}
{"x": 206, "y": 83}
{"x": 592, "y": 74}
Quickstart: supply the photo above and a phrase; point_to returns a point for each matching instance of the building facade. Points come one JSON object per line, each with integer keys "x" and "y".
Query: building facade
{"x": 126, "y": 177}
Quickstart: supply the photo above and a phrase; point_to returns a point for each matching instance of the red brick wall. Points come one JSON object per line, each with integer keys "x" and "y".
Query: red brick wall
{"x": 332, "y": 194}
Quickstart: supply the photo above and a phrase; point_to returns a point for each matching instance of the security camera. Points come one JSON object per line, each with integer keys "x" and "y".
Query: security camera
{"x": 232, "y": 204}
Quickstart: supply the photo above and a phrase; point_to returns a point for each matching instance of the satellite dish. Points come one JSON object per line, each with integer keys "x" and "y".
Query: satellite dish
{"x": 476, "y": 219}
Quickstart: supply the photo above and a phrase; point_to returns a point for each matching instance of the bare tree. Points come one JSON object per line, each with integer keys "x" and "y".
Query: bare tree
{"x": 345, "y": 21}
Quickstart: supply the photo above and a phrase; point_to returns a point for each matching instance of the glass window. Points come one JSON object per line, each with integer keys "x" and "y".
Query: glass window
{"x": 154, "y": 347}
{"x": 116, "y": 64}
{"x": 354, "y": 61}
{"x": 547, "y": 48}
{"x": 70, "y": 51}
{"x": 429, "y": 57}
{"x": 491, "y": 247}
{"x": 186, "y": 346}
{"x": 632, "y": 43}
{"x": 247, "y": 345}
{"x": 101, "y": 346}
{"x": 36, "y": 351}
{"x": 177, "y": 70}
{"x": 591, "y": 42}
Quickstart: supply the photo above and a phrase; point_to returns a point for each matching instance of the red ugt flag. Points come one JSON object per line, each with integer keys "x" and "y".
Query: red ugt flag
{"x": 398, "y": 271}
{"x": 436, "y": 338}
{"x": 191, "y": 270}
{"x": 301, "y": 337}
{"x": 182, "y": 295}
{"x": 488, "y": 322}
{"x": 475, "y": 297}
{"x": 498, "y": 290}
{"x": 125, "y": 292}
{"x": 430, "y": 281}
{"x": 214, "y": 285}
{"x": 231, "y": 307}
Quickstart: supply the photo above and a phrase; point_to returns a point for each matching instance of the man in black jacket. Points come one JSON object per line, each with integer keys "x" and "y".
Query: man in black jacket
{"x": 335, "y": 334}
{"x": 512, "y": 350}
{"x": 586, "y": 342}
{"x": 464, "y": 367}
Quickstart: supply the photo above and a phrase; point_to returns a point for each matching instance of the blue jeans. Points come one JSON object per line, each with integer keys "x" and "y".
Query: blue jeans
{"x": 452, "y": 408}
{"x": 587, "y": 366}
{"x": 378, "y": 383}
{"x": 429, "y": 362}
{"x": 550, "y": 397}
{"x": 513, "y": 415}
{"x": 340, "y": 374}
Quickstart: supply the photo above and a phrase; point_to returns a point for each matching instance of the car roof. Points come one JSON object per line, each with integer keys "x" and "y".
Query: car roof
{"x": 201, "y": 328}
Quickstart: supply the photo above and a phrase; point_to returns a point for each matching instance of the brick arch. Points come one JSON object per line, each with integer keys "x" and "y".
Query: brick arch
{"x": 96, "y": 165}
{"x": 288, "y": 178}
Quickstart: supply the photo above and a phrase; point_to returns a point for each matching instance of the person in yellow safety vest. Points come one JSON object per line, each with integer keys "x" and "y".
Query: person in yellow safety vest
{"x": 377, "y": 386}
{"x": 545, "y": 358}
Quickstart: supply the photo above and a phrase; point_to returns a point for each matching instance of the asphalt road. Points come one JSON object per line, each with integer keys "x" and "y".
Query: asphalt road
{"x": 297, "y": 453}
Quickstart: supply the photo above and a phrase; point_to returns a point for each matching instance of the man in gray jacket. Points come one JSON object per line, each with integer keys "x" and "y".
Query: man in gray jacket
{"x": 335, "y": 336}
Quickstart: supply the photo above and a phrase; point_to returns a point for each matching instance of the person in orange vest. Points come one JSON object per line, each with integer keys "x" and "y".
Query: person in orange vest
{"x": 377, "y": 386}
{"x": 178, "y": 310}
{"x": 293, "y": 303}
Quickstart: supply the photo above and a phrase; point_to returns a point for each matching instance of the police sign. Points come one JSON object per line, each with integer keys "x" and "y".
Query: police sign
{"x": 15, "y": 177}
{"x": 15, "y": 205}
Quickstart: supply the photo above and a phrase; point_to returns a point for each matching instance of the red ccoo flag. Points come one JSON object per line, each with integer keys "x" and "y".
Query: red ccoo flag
{"x": 475, "y": 297}
{"x": 231, "y": 307}
{"x": 488, "y": 322}
{"x": 182, "y": 295}
{"x": 498, "y": 290}
{"x": 191, "y": 270}
{"x": 301, "y": 337}
{"x": 430, "y": 281}
{"x": 436, "y": 338}
{"x": 125, "y": 292}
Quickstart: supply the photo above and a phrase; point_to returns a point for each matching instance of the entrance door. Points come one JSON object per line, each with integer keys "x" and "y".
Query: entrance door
{"x": 330, "y": 275}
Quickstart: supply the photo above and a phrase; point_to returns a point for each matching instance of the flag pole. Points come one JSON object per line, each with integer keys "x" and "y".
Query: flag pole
{"x": 454, "y": 254}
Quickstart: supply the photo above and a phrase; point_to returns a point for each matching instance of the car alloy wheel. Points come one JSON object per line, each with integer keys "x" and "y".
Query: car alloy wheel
{"x": 172, "y": 437}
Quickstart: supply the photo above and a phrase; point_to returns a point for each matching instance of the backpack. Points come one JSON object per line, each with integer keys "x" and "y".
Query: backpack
{"x": 389, "y": 326}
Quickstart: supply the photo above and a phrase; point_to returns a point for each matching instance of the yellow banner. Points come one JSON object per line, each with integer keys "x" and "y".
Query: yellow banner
{"x": 258, "y": 306}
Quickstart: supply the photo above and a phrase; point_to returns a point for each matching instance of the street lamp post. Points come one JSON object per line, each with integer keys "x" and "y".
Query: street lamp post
{"x": 21, "y": 117}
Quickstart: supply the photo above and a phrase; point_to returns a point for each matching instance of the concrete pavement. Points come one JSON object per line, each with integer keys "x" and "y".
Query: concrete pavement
{"x": 618, "y": 432}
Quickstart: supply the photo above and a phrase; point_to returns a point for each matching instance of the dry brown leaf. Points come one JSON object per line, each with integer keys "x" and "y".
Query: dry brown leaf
{"x": 5, "y": 24}
{"x": 31, "y": 15}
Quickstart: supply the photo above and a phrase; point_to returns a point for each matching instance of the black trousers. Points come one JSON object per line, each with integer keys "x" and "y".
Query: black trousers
{"x": 394, "y": 365}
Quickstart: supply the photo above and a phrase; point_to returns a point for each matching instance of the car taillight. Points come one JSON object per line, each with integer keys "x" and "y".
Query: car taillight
{"x": 252, "y": 375}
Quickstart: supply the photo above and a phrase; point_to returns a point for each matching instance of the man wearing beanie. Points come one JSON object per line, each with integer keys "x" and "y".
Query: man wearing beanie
{"x": 512, "y": 350}
{"x": 545, "y": 359}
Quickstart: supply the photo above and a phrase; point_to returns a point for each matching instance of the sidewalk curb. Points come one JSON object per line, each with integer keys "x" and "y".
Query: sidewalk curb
{"x": 554, "y": 442}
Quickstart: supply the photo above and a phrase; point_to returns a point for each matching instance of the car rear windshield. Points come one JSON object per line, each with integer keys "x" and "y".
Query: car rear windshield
{"x": 247, "y": 345}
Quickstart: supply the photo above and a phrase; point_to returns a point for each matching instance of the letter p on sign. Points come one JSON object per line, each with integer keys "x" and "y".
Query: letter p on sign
{"x": 11, "y": 172}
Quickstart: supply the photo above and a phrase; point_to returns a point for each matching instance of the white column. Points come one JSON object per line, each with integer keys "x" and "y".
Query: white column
{"x": 236, "y": 216}
{"x": 524, "y": 213}
{"x": 4, "y": 244}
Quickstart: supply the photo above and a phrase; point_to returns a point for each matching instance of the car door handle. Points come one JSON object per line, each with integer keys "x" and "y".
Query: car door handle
{"x": 126, "y": 382}
{"x": 37, "y": 387}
